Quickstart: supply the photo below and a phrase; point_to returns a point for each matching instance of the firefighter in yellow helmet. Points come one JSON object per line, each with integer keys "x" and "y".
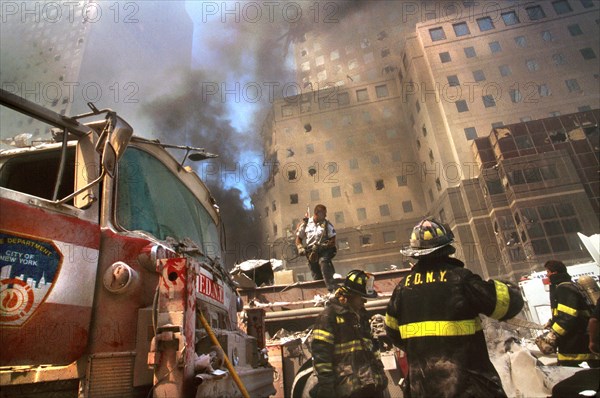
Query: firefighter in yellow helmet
{"x": 344, "y": 357}
{"x": 433, "y": 315}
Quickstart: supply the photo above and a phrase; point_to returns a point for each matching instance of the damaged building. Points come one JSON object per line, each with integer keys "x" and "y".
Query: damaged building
{"x": 486, "y": 120}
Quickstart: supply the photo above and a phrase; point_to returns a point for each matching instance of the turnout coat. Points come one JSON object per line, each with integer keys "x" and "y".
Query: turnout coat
{"x": 344, "y": 357}
{"x": 570, "y": 316}
{"x": 433, "y": 315}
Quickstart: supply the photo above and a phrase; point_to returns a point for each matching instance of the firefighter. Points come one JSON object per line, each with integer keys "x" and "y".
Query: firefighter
{"x": 320, "y": 248}
{"x": 344, "y": 357}
{"x": 570, "y": 316}
{"x": 433, "y": 315}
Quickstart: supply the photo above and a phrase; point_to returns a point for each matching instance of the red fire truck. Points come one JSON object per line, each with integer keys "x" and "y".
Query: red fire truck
{"x": 111, "y": 274}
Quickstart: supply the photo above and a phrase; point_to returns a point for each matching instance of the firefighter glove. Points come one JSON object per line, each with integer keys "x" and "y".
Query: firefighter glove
{"x": 301, "y": 250}
{"x": 547, "y": 342}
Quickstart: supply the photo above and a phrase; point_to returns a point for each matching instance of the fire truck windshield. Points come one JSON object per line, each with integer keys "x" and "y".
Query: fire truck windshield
{"x": 151, "y": 198}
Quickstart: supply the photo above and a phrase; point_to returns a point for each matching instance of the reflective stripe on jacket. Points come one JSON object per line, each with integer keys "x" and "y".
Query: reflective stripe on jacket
{"x": 433, "y": 315}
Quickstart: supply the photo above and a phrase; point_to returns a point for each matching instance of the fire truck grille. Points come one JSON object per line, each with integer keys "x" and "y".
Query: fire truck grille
{"x": 111, "y": 375}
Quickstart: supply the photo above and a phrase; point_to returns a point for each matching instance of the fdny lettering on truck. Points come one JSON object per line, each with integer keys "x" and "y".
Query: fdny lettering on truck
{"x": 208, "y": 287}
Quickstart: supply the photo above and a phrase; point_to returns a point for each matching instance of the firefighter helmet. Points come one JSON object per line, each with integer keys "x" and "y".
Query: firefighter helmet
{"x": 360, "y": 282}
{"x": 427, "y": 237}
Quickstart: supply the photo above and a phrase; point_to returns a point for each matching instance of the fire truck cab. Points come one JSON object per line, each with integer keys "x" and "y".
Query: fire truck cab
{"x": 111, "y": 274}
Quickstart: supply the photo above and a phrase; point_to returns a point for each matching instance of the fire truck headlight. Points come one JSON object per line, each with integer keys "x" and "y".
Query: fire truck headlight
{"x": 119, "y": 277}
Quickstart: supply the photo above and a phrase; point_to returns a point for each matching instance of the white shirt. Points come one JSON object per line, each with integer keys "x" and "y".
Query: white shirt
{"x": 313, "y": 231}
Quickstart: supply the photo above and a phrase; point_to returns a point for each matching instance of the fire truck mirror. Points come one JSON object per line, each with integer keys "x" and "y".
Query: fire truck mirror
{"x": 239, "y": 304}
{"x": 115, "y": 146}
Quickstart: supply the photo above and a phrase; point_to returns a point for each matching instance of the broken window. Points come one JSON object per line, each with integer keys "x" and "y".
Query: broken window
{"x": 379, "y": 185}
{"x": 291, "y": 175}
{"x": 382, "y": 35}
{"x": 557, "y": 136}
{"x": 312, "y": 170}
{"x": 366, "y": 240}
{"x": 535, "y": 13}
{"x": 294, "y": 198}
{"x": 273, "y": 205}
{"x": 385, "y": 52}
{"x": 290, "y": 153}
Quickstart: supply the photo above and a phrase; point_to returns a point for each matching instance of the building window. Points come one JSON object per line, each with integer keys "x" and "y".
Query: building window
{"x": 572, "y": 85}
{"x": 587, "y": 53}
{"x": 314, "y": 195}
{"x": 547, "y": 36}
{"x": 575, "y": 30}
{"x": 521, "y": 41}
{"x": 532, "y": 65}
{"x": 461, "y": 29}
{"x": 362, "y": 95}
{"x": 418, "y": 106}
{"x": 384, "y": 210}
{"x": 510, "y": 18}
{"x": 496, "y": 125}
{"x": 366, "y": 240}
{"x": 495, "y": 47}
{"x": 335, "y": 54}
{"x": 353, "y": 164}
{"x": 401, "y": 180}
{"x": 375, "y": 159}
{"x": 379, "y": 185}
{"x": 339, "y": 217}
{"x": 535, "y": 12}
{"x": 286, "y": 111}
{"x": 544, "y": 90}
{"x": 291, "y": 175}
{"x": 515, "y": 96}
{"x": 587, "y": 3}
{"x": 558, "y": 59}
{"x": 418, "y": 144}
{"x": 445, "y": 57}
{"x": 485, "y": 23}
{"x": 470, "y": 133}
{"x": 488, "y": 101}
{"x": 294, "y": 198}
{"x": 389, "y": 236}
{"x": 470, "y": 52}
{"x": 437, "y": 34}
{"x": 453, "y": 81}
{"x": 438, "y": 184}
{"x": 381, "y": 91}
{"x": 343, "y": 98}
{"x": 336, "y": 192}
{"x": 385, "y": 52}
{"x": 407, "y": 206}
{"x": 424, "y": 131}
{"x": 505, "y": 70}
{"x": 361, "y": 214}
{"x": 391, "y": 133}
{"x": 357, "y": 188}
{"x": 431, "y": 157}
{"x": 584, "y": 108}
{"x": 561, "y": 7}
{"x": 478, "y": 75}
{"x": 461, "y": 106}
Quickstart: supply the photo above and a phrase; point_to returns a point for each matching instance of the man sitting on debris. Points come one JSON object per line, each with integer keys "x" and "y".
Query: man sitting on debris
{"x": 433, "y": 315}
{"x": 320, "y": 245}
{"x": 570, "y": 315}
{"x": 344, "y": 358}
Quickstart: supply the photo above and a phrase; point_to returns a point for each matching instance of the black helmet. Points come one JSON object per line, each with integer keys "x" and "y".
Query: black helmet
{"x": 427, "y": 237}
{"x": 361, "y": 283}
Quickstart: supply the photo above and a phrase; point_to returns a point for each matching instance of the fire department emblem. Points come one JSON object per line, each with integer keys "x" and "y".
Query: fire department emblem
{"x": 28, "y": 269}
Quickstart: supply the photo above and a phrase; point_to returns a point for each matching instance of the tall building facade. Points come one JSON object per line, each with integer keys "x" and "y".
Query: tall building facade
{"x": 63, "y": 55}
{"x": 452, "y": 75}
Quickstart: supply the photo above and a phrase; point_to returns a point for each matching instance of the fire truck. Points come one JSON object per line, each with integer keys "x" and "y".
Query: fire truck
{"x": 111, "y": 275}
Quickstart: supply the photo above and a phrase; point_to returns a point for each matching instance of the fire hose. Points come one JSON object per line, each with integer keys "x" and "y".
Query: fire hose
{"x": 228, "y": 364}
